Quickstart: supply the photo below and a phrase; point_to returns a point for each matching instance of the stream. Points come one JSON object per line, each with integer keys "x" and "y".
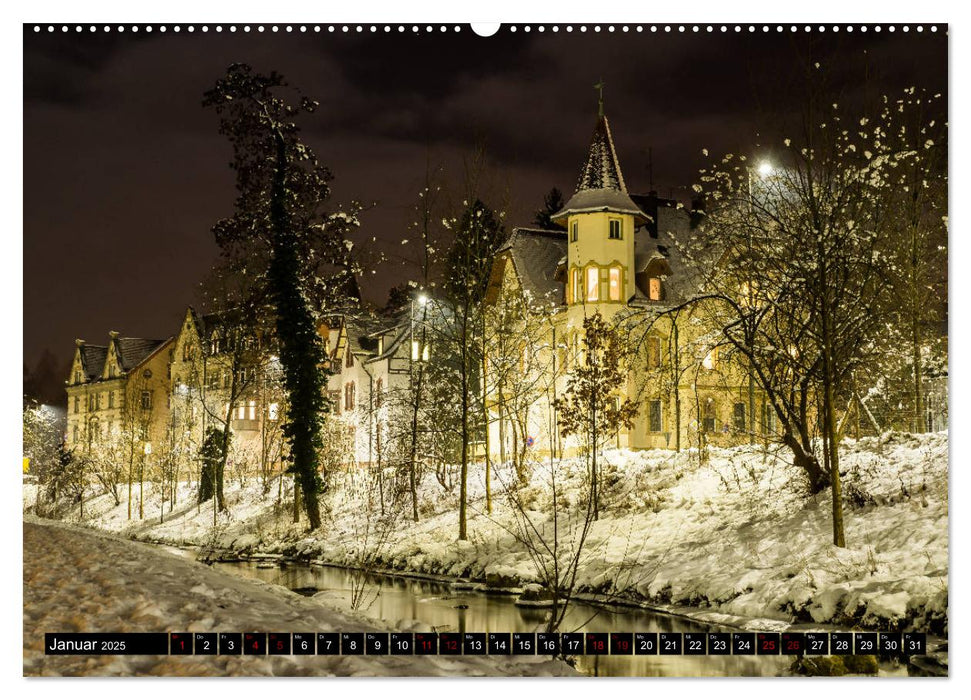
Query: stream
{"x": 444, "y": 609}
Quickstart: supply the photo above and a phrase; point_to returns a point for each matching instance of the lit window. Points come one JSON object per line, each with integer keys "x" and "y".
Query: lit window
{"x": 654, "y": 289}
{"x": 252, "y": 410}
{"x": 424, "y": 353}
{"x": 274, "y": 411}
{"x": 241, "y": 411}
{"x": 593, "y": 283}
{"x": 615, "y": 284}
{"x": 575, "y": 232}
{"x": 711, "y": 359}
{"x": 615, "y": 230}
{"x": 414, "y": 349}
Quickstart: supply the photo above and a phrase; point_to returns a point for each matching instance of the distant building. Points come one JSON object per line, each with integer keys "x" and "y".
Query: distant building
{"x": 121, "y": 387}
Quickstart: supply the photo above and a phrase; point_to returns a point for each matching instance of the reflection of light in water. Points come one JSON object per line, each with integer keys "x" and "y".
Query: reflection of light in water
{"x": 438, "y": 606}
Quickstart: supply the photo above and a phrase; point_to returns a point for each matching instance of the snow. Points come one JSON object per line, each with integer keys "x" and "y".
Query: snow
{"x": 735, "y": 535}
{"x": 77, "y": 580}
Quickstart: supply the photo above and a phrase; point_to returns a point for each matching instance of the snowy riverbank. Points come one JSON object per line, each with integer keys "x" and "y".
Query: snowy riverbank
{"x": 736, "y": 534}
{"x": 76, "y": 580}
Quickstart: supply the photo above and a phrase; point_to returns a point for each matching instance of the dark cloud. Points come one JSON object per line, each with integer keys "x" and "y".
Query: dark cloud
{"x": 125, "y": 173}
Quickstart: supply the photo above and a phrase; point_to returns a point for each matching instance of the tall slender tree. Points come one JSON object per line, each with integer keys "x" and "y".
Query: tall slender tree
{"x": 299, "y": 249}
{"x": 478, "y": 233}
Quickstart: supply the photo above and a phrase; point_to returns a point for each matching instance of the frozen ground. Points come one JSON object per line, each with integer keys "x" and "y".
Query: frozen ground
{"x": 735, "y": 534}
{"x": 76, "y": 580}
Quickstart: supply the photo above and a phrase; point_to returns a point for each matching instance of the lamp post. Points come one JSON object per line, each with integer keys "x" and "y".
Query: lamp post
{"x": 765, "y": 170}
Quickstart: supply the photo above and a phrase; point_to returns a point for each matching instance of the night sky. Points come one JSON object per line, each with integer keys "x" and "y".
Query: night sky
{"x": 125, "y": 173}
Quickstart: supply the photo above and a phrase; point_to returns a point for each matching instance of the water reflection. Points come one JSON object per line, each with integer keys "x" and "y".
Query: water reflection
{"x": 394, "y": 598}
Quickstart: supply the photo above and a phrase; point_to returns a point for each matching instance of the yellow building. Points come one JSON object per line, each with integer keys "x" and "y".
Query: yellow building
{"x": 118, "y": 389}
{"x": 617, "y": 255}
{"x": 221, "y": 369}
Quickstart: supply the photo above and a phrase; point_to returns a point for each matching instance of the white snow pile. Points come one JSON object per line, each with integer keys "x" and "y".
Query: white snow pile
{"x": 76, "y": 580}
{"x": 736, "y": 533}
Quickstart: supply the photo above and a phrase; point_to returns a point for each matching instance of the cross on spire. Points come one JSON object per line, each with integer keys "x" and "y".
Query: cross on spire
{"x": 599, "y": 87}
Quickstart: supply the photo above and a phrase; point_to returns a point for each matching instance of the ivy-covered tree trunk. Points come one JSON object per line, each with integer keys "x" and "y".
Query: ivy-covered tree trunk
{"x": 300, "y": 352}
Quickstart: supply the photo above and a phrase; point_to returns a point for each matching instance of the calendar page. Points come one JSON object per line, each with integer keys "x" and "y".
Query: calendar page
{"x": 527, "y": 349}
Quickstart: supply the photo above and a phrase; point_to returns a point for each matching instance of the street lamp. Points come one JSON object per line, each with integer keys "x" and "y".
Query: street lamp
{"x": 765, "y": 169}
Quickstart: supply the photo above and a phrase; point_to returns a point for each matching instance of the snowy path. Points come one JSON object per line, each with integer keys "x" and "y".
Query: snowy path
{"x": 76, "y": 580}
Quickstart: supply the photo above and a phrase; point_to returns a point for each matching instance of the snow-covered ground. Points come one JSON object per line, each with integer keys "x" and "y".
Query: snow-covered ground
{"x": 736, "y": 533}
{"x": 76, "y": 580}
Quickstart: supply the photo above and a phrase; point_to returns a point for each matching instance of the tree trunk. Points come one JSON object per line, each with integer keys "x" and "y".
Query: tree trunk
{"x": 299, "y": 344}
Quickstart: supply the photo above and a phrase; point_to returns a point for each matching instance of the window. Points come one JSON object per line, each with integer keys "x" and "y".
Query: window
{"x": 74, "y": 435}
{"x": 709, "y": 417}
{"x": 593, "y": 284}
{"x": 615, "y": 279}
{"x": 414, "y": 350}
{"x": 146, "y": 400}
{"x": 111, "y": 399}
{"x": 349, "y": 396}
{"x": 273, "y": 413}
{"x": 574, "y": 232}
{"x": 615, "y": 230}
{"x": 653, "y": 352}
{"x": 187, "y": 352}
{"x": 214, "y": 379}
{"x": 77, "y": 404}
{"x": 251, "y": 410}
{"x": 768, "y": 419}
{"x": 738, "y": 415}
{"x": 711, "y": 359}
{"x": 577, "y": 285}
{"x": 654, "y": 417}
{"x": 654, "y": 288}
{"x": 97, "y": 401}
{"x": 77, "y": 376}
{"x": 214, "y": 345}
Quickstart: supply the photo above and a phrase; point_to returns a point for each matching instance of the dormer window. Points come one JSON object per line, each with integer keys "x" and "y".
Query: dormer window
{"x": 654, "y": 288}
{"x": 616, "y": 233}
{"x": 574, "y": 232}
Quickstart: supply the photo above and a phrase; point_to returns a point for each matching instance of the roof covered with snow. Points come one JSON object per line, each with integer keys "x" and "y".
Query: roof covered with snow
{"x": 601, "y": 186}
{"x": 536, "y": 254}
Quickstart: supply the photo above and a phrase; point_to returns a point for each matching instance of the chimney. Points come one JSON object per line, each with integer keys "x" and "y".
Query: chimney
{"x": 113, "y": 335}
{"x": 79, "y": 342}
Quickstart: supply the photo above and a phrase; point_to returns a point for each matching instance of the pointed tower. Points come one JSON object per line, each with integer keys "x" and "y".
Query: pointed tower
{"x": 600, "y": 220}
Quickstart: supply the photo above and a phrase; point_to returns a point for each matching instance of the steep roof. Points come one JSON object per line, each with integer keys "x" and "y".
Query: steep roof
{"x": 601, "y": 186}
{"x": 536, "y": 254}
{"x": 132, "y": 351}
{"x": 93, "y": 360}
{"x": 602, "y": 169}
